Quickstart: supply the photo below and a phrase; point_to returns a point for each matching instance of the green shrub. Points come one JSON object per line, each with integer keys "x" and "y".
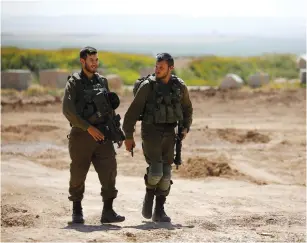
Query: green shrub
{"x": 214, "y": 68}
{"x": 206, "y": 70}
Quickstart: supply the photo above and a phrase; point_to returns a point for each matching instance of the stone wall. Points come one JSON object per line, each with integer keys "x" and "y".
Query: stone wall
{"x": 16, "y": 79}
{"x": 53, "y": 78}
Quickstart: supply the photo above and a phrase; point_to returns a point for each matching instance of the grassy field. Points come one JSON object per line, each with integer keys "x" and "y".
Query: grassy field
{"x": 206, "y": 70}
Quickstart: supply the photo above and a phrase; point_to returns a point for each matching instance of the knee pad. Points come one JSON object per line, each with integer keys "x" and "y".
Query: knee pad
{"x": 164, "y": 183}
{"x": 161, "y": 192}
{"x": 151, "y": 182}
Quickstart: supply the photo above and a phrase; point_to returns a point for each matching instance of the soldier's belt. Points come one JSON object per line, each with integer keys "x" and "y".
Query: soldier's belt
{"x": 165, "y": 124}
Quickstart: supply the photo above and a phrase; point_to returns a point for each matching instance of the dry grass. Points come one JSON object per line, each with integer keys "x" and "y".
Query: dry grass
{"x": 293, "y": 85}
{"x": 9, "y": 92}
{"x": 33, "y": 90}
{"x": 36, "y": 90}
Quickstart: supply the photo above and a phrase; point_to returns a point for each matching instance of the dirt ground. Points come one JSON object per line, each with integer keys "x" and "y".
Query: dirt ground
{"x": 243, "y": 177}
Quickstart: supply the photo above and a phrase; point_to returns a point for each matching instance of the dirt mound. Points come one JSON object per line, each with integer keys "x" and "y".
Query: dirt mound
{"x": 287, "y": 97}
{"x": 204, "y": 224}
{"x": 237, "y": 136}
{"x": 27, "y": 128}
{"x": 267, "y": 96}
{"x": 19, "y": 100}
{"x": 39, "y": 103}
{"x": 201, "y": 167}
{"x": 12, "y": 216}
{"x": 51, "y": 158}
{"x": 221, "y": 94}
{"x": 57, "y": 160}
{"x": 31, "y": 132}
{"x": 46, "y": 154}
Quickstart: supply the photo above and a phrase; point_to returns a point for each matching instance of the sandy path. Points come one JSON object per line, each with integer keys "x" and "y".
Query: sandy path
{"x": 243, "y": 178}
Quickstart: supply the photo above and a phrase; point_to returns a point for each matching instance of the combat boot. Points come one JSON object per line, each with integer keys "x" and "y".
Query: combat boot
{"x": 77, "y": 215}
{"x": 159, "y": 214}
{"x": 109, "y": 215}
{"x": 148, "y": 203}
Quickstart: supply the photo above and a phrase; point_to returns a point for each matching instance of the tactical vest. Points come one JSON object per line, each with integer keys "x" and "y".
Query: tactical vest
{"x": 164, "y": 108}
{"x": 93, "y": 100}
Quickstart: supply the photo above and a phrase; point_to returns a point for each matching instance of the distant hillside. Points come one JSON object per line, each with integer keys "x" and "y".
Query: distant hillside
{"x": 204, "y": 70}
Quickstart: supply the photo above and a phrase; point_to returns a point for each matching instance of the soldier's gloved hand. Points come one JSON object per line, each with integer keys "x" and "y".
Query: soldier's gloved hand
{"x": 130, "y": 144}
{"x": 95, "y": 133}
{"x": 184, "y": 133}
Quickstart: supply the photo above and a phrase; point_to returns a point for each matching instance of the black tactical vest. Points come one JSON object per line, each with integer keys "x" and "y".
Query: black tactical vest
{"x": 164, "y": 108}
{"x": 93, "y": 103}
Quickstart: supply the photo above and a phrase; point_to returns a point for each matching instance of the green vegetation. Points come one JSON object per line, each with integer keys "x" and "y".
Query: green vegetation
{"x": 214, "y": 68}
{"x": 206, "y": 70}
{"x": 127, "y": 75}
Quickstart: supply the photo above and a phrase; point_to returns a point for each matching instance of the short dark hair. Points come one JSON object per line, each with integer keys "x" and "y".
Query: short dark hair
{"x": 88, "y": 50}
{"x": 165, "y": 57}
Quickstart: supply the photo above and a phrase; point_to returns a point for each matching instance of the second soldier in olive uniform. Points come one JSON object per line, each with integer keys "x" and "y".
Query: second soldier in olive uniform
{"x": 161, "y": 101}
{"x": 87, "y": 143}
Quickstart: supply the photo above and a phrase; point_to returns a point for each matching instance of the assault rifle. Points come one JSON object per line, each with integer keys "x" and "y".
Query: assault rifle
{"x": 105, "y": 118}
{"x": 178, "y": 146}
{"x": 111, "y": 129}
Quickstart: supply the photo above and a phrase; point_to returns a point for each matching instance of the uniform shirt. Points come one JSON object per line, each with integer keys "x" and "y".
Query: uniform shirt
{"x": 138, "y": 104}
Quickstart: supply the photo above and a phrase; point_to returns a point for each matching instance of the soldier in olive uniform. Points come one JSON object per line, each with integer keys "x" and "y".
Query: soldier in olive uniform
{"x": 162, "y": 101}
{"x": 87, "y": 143}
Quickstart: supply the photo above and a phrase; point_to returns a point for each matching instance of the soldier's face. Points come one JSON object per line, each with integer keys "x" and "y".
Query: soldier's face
{"x": 91, "y": 63}
{"x": 162, "y": 69}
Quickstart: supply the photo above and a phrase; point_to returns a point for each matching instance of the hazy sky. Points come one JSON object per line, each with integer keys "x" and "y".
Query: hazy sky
{"x": 258, "y": 17}
{"x": 236, "y": 8}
